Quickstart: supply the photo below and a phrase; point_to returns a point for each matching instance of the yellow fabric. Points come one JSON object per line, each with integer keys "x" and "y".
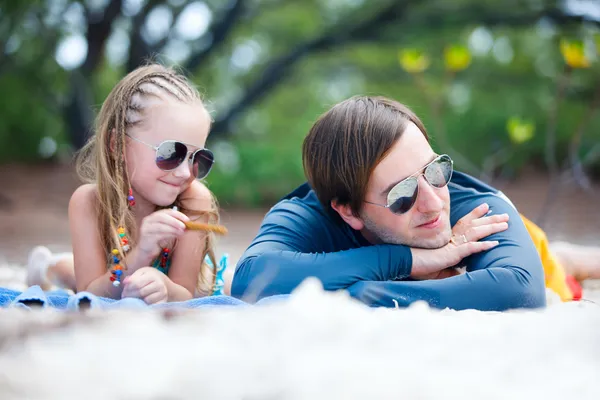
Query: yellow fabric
{"x": 554, "y": 272}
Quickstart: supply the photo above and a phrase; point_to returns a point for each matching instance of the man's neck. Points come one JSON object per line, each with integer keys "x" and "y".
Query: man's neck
{"x": 367, "y": 237}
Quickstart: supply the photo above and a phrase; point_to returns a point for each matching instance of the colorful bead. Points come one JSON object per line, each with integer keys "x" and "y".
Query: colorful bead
{"x": 164, "y": 258}
{"x": 117, "y": 271}
{"x": 130, "y": 198}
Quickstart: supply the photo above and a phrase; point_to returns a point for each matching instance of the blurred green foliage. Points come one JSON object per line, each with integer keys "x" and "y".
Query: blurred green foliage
{"x": 505, "y": 65}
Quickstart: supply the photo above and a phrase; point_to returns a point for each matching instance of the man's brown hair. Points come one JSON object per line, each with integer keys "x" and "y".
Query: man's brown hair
{"x": 346, "y": 144}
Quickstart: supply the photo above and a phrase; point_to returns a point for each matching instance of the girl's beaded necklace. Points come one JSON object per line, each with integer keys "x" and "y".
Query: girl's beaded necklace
{"x": 117, "y": 268}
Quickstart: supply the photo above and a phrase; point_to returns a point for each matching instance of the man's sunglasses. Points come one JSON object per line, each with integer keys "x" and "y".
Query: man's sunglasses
{"x": 404, "y": 195}
{"x": 170, "y": 154}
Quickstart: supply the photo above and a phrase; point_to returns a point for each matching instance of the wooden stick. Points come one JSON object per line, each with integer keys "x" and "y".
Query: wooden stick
{"x": 200, "y": 226}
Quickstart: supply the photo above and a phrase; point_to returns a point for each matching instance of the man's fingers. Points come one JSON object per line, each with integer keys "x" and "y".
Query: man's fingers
{"x": 479, "y": 232}
{"x": 492, "y": 219}
{"x": 477, "y": 212}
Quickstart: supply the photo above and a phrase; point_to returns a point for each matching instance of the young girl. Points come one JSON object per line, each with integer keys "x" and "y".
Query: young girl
{"x": 143, "y": 166}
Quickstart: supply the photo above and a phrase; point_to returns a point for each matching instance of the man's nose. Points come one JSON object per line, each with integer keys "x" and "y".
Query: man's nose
{"x": 428, "y": 200}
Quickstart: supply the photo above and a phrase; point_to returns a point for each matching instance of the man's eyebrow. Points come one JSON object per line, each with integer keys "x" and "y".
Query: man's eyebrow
{"x": 391, "y": 186}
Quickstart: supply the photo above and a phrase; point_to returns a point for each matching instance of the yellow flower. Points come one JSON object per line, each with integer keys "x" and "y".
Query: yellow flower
{"x": 574, "y": 54}
{"x": 413, "y": 60}
{"x": 520, "y": 131}
{"x": 457, "y": 57}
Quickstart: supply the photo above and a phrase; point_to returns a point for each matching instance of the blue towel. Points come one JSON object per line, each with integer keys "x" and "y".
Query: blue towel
{"x": 62, "y": 300}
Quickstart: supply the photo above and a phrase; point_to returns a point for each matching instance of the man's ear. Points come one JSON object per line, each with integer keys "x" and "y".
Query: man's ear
{"x": 345, "y": 212}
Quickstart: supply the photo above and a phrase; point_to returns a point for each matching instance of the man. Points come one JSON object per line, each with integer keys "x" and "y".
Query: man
{"x": 378, "y": 215}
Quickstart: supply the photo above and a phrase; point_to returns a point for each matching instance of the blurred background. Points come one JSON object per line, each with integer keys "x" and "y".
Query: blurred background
{"x": 509, "y": 88}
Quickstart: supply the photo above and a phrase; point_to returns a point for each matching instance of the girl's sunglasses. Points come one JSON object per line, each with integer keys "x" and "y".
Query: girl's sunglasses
{"x": 170, "y": 154}
{"x": 404, "y": 195}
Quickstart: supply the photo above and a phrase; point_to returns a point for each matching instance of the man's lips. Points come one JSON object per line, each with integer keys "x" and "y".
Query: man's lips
{"x": 432, "y": 223}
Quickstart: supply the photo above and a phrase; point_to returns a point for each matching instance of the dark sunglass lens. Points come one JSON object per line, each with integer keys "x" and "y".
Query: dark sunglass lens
{"x": 438, "y": 173}
{"x": 403, "y": 196}
{"x": 203, "y": 162}
{"x": 170, "y": 155}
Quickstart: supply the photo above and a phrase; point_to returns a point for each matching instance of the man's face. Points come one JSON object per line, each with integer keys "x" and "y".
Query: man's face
{"x": 427, "y": 223}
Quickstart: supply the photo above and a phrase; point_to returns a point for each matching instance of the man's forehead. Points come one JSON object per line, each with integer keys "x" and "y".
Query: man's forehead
{"x": 409, "y": 155}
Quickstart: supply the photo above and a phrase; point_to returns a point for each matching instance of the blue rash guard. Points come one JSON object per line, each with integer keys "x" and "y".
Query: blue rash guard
{"x": 299, "y": 239}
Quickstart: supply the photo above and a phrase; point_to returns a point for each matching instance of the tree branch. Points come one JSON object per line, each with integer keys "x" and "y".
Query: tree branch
{"x": 481, "y": 15}
{"x": 77, "y": 112}
{"x": 97, "y": 34}
{"x": 219, "y": 31}
{"x": 275, "y": 71}
{"x": 138, "y": 48}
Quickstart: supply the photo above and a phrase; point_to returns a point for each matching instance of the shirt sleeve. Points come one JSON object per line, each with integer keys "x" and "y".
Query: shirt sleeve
{"x": 507, "y": 276}
{"x": 294, "y": 243}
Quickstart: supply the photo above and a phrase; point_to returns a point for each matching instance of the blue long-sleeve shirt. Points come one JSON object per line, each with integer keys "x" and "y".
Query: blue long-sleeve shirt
{"x": 299, "y": 239}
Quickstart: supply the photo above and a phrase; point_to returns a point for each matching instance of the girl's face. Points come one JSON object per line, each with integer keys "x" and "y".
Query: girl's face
{"x": 167, "y": 120}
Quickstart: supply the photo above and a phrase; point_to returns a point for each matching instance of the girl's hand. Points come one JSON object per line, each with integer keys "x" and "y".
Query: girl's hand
{"x": 158, "y": 228}
{"x": 148, "y": 284}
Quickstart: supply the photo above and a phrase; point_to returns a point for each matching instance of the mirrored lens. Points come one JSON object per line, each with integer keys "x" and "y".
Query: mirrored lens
{"x": 203, "y": 162}
{"x": 170, "y": 155}
{"x": 403, "y": 196}
{"x": 439, "y": 172}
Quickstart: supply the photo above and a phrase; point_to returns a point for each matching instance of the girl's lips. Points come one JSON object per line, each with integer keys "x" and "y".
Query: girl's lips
{"x": 171, "y": 184}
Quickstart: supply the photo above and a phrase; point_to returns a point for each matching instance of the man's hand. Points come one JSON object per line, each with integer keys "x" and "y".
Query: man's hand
{"x": 432, "y": 263}
{"x": 148, "y": 284}
{"x": 443, "y": 274}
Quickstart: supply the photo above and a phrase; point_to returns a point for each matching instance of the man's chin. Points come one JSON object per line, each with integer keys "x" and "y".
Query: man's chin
{"x": 431, "y": 243}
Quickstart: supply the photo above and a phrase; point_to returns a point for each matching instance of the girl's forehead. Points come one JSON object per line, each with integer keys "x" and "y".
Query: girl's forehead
{"x": 177, "y": 121}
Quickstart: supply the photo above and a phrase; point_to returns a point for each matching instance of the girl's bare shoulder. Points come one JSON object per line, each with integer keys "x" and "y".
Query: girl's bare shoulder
{"x": 84, "y": 198}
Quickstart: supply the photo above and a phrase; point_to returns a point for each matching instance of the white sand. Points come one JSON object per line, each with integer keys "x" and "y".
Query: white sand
{"x": 317, "y": 345}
